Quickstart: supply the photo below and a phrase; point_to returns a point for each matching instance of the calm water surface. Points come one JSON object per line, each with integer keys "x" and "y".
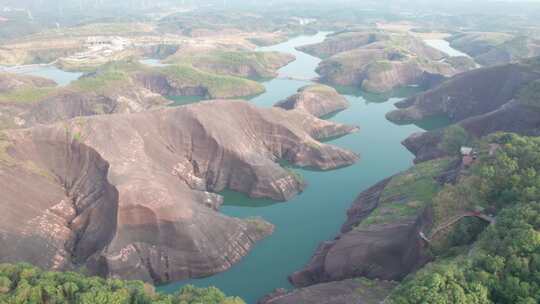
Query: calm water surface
{"x": 61, "y": 77}
{"x": 316, "y": 214}
{"x": 444, "y": 46}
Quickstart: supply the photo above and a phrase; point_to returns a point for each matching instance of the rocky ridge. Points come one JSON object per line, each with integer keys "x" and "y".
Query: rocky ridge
{"x": 317, "y": 100}
{"x": 123, "y": 87}
{"x": 482, "y": 101}
{"x": 142, "y": 208}
{"x": 382, "y": 61}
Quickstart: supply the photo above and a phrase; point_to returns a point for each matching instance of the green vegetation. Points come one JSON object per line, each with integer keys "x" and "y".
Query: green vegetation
{"x": 379, "y": 66}
{"x": 234, "y": 63}
{"x": 100, "y": 82}
{"x": 372, "y": 291}
{"x": 454, "y": 138}
{"x": 260, "y": 224}
{"x": 23, "y": 283}
{"x": 25, "y": 95}
{"x": 517, "y": 47}
{"x": 5, "y": 158}
{"x": 116, "y": 75}
{"x": 408, "y": 193}
{"x": 295, "y": 174}
{"x": 218, "y": 86}
{"x": 503, "y": 266}
{"x": 530, "y": 94}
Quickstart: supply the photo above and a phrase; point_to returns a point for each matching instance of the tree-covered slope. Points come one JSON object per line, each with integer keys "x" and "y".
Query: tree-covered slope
{"x": 503, "y": 265}
{"x": 23, "y": 283}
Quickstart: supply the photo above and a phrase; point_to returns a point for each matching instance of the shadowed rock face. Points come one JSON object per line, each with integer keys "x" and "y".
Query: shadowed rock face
{"x": 317, "y": 100}
{"x": 380, "y": 251}
{"x": 492, "y": 48}
{"x": 466, "y": 95}
{"x": 510, "y": 117}
{"x": 339, "y": 292}
{"x": 481, "y": 101}
{"x": 138, "y": 201}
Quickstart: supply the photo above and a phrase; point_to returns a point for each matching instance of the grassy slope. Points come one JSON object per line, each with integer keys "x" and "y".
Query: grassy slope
{"x": 25, "y": 95}
{"x": 118, "y": 74}
{"x": 408, "y": 193}
{"x": 219, "y": 86}
{"x": 499, "y": 263}
{"x": 263, "y": 64}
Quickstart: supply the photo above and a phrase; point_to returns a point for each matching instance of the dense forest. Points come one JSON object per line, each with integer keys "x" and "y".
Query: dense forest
{"x": 503, "y": 265}
{"x": 24, "y": 283}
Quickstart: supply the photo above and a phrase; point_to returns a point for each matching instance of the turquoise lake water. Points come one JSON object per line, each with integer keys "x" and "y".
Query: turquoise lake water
{"x": 316, "y": 214}
{"x": 61, "y": 77}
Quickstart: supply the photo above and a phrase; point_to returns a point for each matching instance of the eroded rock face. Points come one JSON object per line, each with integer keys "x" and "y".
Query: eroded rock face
{"x": 69, "y": 102}
{"x": 482, "y": 101}
{"x": 338, "y": 43}
{"x": 381, "y": 61}
{"x": 386, "y": 251}
{"x": 511, "y": 117}
{"x": 466, "y": 95}
{"x": 137, "y": 201}
{"x": 10, "y": 82}
{"x": 317, "y": 100}
{"x": 235, "y": 63}
{"x": 339, "y": 292}
{"x": 492, "y": 48}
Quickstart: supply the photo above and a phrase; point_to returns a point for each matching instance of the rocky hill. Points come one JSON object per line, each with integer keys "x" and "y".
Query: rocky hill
{"x": 318, "y": 100}
{"x": 245, "y": 64}
{"x": 137, "y": 201}
{"x": 491, "y": 48}
{"x": 380, "y": 62}
{"x": 482, "y": 101}
{"x": 436, "y": 213}
{"x": 122, "y": 87}
{"x": 343, "y": 42}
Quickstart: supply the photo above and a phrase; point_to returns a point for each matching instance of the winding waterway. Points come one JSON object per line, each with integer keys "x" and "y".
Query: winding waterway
{"x": 316, "y": 214}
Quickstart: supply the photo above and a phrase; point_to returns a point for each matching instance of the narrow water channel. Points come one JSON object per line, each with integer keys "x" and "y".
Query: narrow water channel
{"x": 318, "y": 213}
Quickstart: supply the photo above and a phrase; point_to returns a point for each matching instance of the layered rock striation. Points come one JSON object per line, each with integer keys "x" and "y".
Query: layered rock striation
{"x": 317, "y": 100}
{"x": 138, "y": 201}
{"x": 382, "y": 61}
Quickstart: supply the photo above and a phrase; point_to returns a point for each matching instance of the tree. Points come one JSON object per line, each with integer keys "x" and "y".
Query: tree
{"x": 454, "y": 137}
